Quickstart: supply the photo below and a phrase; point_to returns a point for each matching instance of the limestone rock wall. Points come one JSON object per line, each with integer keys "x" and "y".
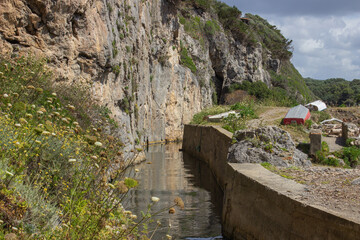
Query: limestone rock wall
{"x": 129, "y": 53}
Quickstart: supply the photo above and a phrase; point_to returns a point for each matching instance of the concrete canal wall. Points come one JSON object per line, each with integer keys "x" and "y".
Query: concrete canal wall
{"x": 257, "y": 203}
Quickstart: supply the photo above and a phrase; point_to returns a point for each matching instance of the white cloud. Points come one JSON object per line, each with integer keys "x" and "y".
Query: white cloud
{"x": 310, "y": 45}
{"x": 325, "y": 46}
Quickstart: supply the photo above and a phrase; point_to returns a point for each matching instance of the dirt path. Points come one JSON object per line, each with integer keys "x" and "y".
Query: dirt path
{"x": 268, "y": 116}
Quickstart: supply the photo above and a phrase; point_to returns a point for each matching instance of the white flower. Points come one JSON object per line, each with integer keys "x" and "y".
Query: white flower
{"x": 99, "y": 144}
{"x": 33, "y": 106}
{"x": 17, "y": 125}
{"x": 72, "y": 160}
{"x": 40, "y": 112}
{"x": 5, "y": 95}
{"x": 155, "y": 199}
{"x": 9, "y": 105}
{"x": 53, "y": 134}
{"x": 54, "y": 94}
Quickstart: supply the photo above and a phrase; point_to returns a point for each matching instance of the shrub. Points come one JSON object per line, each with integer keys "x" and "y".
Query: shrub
{"x": 186, "y": 60}
{"x": 351, "y": 155}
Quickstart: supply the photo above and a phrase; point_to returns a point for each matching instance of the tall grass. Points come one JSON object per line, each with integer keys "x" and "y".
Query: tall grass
{"x": 61, "y": 177}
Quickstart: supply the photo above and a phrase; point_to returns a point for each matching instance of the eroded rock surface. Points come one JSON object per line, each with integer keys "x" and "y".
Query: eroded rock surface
{"x": 268, "y": 144}
{"x": 129, "y": 54}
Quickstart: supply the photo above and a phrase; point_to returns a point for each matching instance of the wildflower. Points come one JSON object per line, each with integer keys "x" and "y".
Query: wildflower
{"x": 54, "y": 94}
{"x": 14, "y": 228}
{"x": 39, "y": 90}
{"x": 71, "y": 107}
{"x": 137, "y": 170}
{"x": 99, "y": 144}
{"x": 172, "y": 211}
{"x": 53, "y": 134}
{"x": 23, "y": 121}
{"x": 17, "y": 125}
{"x": 64, "y": 120}
{"x": 28, "y": 115}
{"x": 121, "y": 187}
{"x": 46, "y": 133}
{"x": 72, "y": 160}
{"x": 9, "y": 173}
{"x": 179, "y": 202}
{"x": 168, "y": 236}
{"x": 76, "y": 123}
{"x": 9, "y": 105}
{"x": 42, "y": 109}
{"x": 56, "y": 113}
{"x": 48, "y": 101}
{"x": 5, "y": 95}
{"x": 133, "y": 216}
{"x": 94, "y": 157}
{"x": 39, "y": 112}
{"x": 155, "y": 199}
{"x": 33, "y": 106}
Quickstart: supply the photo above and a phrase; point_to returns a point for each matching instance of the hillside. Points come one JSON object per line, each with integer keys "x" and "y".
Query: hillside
{"x": 153, "y": 64}
{"x": 336, "y": 91}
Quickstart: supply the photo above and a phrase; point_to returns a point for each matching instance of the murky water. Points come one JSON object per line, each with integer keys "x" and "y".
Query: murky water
{"x": 171, "y": 174}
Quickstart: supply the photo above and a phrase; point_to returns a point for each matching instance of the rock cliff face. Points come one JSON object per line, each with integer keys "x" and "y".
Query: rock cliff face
{"x": 135, "y": 54}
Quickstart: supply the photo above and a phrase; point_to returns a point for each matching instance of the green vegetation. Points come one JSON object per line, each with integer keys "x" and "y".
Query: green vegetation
{"x": 186, "y": 60}
{"x": 288, "y": 85}
{"x": 57, "y": 162}
{"x": 336, "y": 91}
{"x": 245, "y": 111}
{"x": 268, "y": 96}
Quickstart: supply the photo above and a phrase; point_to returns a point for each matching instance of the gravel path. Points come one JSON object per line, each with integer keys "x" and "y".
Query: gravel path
{"x": 331, "y": 188}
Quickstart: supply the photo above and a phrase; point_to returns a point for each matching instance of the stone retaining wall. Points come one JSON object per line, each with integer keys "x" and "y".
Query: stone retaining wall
{"x": 257, "y": 203}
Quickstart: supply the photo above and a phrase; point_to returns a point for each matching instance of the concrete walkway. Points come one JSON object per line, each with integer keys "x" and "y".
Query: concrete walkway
{"x": 335, "y": 143}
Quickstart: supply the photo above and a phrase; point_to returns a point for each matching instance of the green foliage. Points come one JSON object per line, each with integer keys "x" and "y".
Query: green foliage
{"x": 233, "y": 123}
{"x": 320, "y": 116}
{"x": 260, "y": 90}
{"x": 53, "y": 172}
{"x": 211, "y": 27}
{"x": 336, "y": 91}
{"x": 351, "y": 155}
{"x": 200, "y": 118}
{"x": 116, "y": 69}
{"x": 308, "y": 124}
{"x": 186, "y": 60}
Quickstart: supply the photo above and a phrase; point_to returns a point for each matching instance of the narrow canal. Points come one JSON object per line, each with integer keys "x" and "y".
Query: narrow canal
{"x": 169, "y": 173}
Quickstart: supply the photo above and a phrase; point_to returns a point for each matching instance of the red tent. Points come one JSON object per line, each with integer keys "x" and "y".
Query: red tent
{"x": 298, "y": 115}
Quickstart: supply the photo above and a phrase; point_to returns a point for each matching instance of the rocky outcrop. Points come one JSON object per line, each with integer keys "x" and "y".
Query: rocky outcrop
{"x": 268, "y": 144}
{"x": 129, "y": 54}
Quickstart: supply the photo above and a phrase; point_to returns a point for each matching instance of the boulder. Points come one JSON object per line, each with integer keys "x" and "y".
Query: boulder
{"x": 268, "y": 144}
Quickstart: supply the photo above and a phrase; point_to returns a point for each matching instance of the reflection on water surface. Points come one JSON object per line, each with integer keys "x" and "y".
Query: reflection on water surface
{"x": 170, "y": 175}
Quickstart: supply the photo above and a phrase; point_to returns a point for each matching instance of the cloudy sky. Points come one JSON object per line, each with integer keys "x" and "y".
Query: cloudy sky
{"x": 325, "y": 33}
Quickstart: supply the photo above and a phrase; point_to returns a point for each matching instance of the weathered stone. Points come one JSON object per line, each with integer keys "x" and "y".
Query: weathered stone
{"x": 356, "y": 181}
{"x": 267, "y": 144}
